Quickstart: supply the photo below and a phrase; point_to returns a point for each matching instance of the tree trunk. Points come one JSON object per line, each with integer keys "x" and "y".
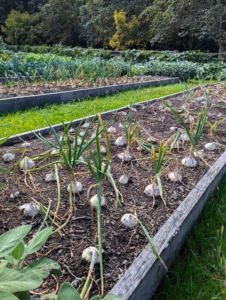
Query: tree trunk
{"x": 221, "y": 50}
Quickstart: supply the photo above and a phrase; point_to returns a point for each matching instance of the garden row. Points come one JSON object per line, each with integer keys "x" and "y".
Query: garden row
{"x": 101, "y": 182}
{"x": 60, "y": 65}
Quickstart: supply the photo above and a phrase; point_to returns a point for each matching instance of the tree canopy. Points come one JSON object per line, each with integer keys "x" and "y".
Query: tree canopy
{"x": 121, "y": 24}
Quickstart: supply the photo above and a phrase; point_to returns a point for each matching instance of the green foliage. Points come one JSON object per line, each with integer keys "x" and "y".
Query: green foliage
{"x": 68, "y": 292}
{"x": 21, "y": 28}
{"x": 50, "y": 66}
{"x": 183, "y": 70}
{"x": 13, "y": 251}
{"x": 65, "y": 15}
{"x": 194, "y": 135}
{"x": 193, "y": 56}
{"x": 126, "y": 34}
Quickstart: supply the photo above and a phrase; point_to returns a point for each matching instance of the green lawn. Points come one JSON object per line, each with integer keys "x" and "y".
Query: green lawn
{"x": 199, "y": 272}
{"x": 31, "y": 119}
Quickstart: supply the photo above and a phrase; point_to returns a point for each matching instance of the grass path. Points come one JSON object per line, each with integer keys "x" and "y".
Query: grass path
{"x": 31, "y": 119}
{"x": 199, "y": 272}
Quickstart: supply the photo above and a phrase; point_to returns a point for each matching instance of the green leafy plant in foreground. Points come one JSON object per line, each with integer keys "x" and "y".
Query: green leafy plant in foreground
{"x": 68, "y": 292}
{"x": 15, "y": 277}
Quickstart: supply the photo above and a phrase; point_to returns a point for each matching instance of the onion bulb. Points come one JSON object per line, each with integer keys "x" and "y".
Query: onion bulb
{"x": 129, "y": 220}
{"x": 184, "y": 137}
{"x": 123, "y": 179}
{"x": 7, "y": 157}
{"x": 189, "y": 162}
{"x": 112, "y": 130}
{"x": 152, "y": 190}
{"x": 94, "y": 201}
{"x": 30, "y": 209}
{"x": 75, "y": 187}
{"x": 50, "y": 177}
{"x": 121, "y": 141}
{"x": 175, "y": 176}
{"x": 27, "y": 163}
{"x": 88, "y": 254}
{"x": 210, "y": 146}
{"x": 125, "y": 156}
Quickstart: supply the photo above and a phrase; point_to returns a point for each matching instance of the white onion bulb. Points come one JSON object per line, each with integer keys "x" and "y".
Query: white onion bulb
{"x": 7, "y": 157}
{"x": 125, "y": 156}
{"x": 94, "y": 134}
{"x": 129, "y": 220}
{"x": 152, "y": 190}
{"x": 82, "y": 133}
{"x": 86, "y": 124}
{"x": 27, "y": 163}
{"x": 50, "y": 177}
{"x": 55, "y": 151}
{"x": 14, "y": 194}
{"x": 184, "y": 137}
{"x": 175, "y": 176}
{"x": 94, "y": 201}
{"x": 108, "y": 168}
{"x": 189, "y": 162}
{"x": 121, "y": 141}
{"x": 112, "y": 130}
{"x": 89, "y": 252}
{"x": 25, "y": 144}
{"x": 30, "y": 209}
{"x": 123, "y": 179}
{"x": 210, "y": 146}
{"x": 103, "y": 149}
{"x": 75, "y": 187}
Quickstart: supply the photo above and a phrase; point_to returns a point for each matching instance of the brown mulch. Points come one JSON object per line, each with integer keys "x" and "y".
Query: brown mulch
{"x": 15, "y": 89}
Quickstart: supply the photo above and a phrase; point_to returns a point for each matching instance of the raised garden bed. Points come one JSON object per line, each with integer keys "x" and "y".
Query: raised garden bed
{"x": 23, "y": 96}
{"x": 167, "y": 223}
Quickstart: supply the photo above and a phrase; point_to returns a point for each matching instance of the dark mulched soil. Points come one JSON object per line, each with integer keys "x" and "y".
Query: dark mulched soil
{"x": 121, "y": 245}
{"x": 14, "y": 89}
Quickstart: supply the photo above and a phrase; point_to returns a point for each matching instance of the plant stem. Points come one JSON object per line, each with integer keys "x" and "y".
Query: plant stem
{"x": 100, "y": 237}
{"x": 58, "y": 191}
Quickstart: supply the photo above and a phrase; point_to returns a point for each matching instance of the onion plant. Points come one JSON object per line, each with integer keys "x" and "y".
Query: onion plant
{"x": 194, "y": 135}
{"x": 158, "y": 162}
{"x": 98, "y": 170}
{"x": 214, "y": 127}
{"x": 2, "y": 141}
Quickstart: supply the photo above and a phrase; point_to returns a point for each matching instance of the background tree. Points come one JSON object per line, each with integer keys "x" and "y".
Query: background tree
{"x": 126, "y": 32}
{"x": 97, "y": 19}
{"x": 6, "y": 6}
{"x": 60, "y": 21}
{"x": 193, "y": 22}
{"x": 21, "y": 28}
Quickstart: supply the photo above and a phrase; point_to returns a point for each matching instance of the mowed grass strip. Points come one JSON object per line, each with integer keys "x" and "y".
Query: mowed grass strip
{"x": 22, "y": 121}
{"x": 199, "y": 272}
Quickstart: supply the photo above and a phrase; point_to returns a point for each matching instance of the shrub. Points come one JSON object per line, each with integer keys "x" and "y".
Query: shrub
{"x": 183, "y": 70}
{"x": 21, "y": 28}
